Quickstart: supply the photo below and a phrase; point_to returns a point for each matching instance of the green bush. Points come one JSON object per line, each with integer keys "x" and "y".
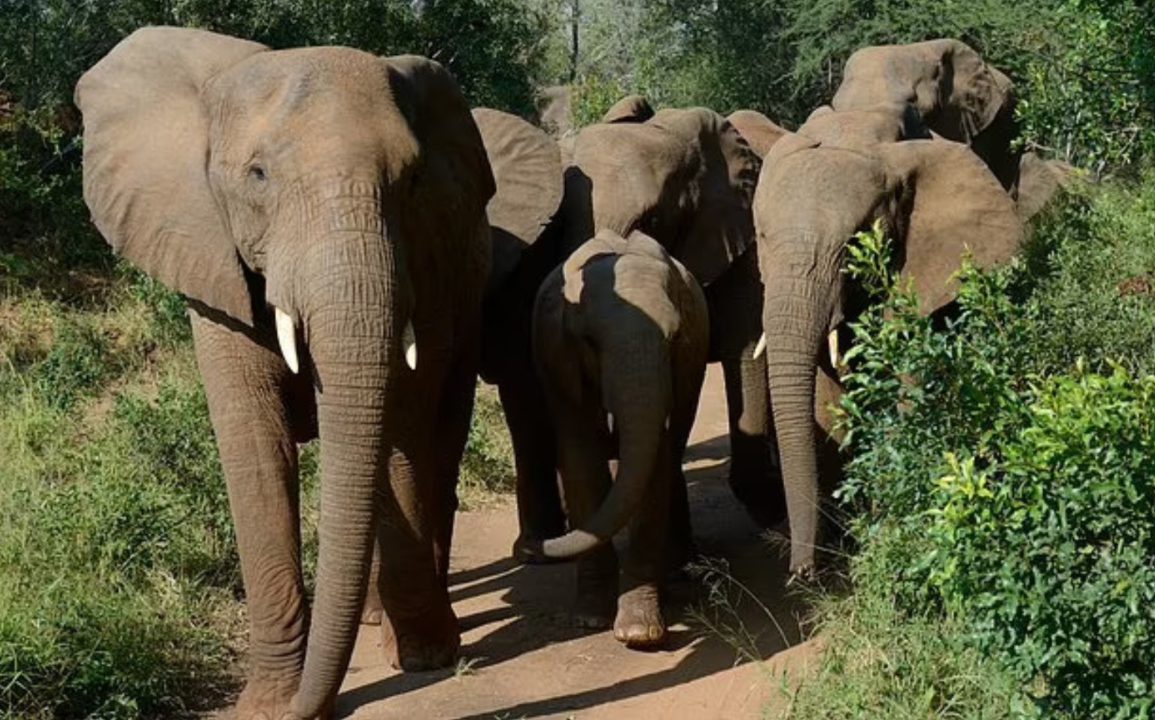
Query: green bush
{"x": 1004, "y": 489}
{"x": 879, "y": 660}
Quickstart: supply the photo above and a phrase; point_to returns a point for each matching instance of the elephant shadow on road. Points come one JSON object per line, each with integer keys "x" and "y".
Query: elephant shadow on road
{"x": 523, "y": 653}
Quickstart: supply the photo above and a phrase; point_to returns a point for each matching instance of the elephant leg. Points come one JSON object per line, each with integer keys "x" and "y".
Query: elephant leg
{"x": 755, "y": 474}
{"x": 245, "y": 380}
{"x": 583, "y": 455}
{"x": 735, "y": 303}
{"x": 639, "y": 623}
{"x": 419, "y": 628}
{"x": 535, "y": 450}
{"x": 687, "y": 393}
{"x": 452, "y": 435}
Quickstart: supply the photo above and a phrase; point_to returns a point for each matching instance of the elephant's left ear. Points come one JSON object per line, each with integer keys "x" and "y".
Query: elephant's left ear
{"x": 723, "y": 227}
{"x": 956, "y": 206}
{"x": 526, "y": 164}
{"x": 454, "y": 182}
{"x": 980, "y": 91}
{"x": 760, "y": 131}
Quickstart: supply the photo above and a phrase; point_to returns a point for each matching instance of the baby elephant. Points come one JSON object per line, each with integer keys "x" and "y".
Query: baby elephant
{"x": 620, "y": 341}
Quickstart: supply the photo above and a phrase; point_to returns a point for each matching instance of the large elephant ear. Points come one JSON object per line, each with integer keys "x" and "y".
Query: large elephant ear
{"x": 957, "y": 206}
{"x": 723, "y": 226}
{"x": 631, "y": 108}
{"x": 1039, "y": 182}
{"x": 455, "y": 181}
{"x": 981, "y": 93}
{"x": 526, "y": 165}
{"x": 760, "y": 131}
{"x": 145, "y": 149}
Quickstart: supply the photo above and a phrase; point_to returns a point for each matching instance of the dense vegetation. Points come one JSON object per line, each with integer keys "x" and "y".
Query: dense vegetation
{"x": 1007, "y": 495}
{"x": 1002, "y": 516}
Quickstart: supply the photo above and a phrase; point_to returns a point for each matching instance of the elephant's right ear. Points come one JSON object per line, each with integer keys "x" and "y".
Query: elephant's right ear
{"x": 760, "y": 131}
{"x": 957, "y": 206}
{"x": 631, "y": 108}
{"x": 526, "y": 165}
{"x": 1039, "y": 182}
{"x": 146, "y": 147}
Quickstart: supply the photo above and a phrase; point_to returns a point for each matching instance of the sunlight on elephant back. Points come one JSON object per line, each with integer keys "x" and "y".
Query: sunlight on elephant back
{"x": 631, "y": 108}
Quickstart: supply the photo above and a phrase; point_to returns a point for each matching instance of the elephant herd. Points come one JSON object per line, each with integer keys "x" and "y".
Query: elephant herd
{"x": 357, "y": 246}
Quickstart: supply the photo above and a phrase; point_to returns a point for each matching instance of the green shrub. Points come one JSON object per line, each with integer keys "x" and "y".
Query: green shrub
{"x": 1004, "y": 490}
{"x": 116, "y": 554}
{"x": 879, "y": 660}
{"x": 487, "y": 467}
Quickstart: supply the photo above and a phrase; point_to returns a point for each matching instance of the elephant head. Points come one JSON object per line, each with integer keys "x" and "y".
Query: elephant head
{"x": 310, "y": 182}
{"x": 838, "y": 174}
{"x": 685, "y": 177}
{"x": 959, "y": 96}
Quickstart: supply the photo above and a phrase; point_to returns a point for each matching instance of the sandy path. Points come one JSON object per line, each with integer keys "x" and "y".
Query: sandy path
{"x": 529, "y": 662}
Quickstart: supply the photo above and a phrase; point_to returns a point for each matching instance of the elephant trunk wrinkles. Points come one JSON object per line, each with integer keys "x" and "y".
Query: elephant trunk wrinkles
{"x": 795, "y": 316}
{"x": 356, "y": 355}
{"x": 638, "y": 390}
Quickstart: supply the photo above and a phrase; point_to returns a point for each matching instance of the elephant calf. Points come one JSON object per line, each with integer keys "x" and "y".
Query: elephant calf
{"x": 620, "y": 338}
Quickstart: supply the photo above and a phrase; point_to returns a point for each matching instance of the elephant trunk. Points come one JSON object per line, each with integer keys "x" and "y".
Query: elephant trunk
{"x": 356, "y": 356}
{"x": 638, "y": 392}
{"x": 795, "y": 315}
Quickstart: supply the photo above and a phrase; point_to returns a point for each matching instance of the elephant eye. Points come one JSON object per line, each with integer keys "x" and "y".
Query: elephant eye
{"x": 257, "y": 173}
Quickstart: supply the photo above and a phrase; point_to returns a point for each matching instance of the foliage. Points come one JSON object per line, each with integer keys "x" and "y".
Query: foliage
{"x": 1088, "y": 94}
{"x": 1003, "y": 490}
{"x": 879, "y": 661}
{"x": 487, "y": 467}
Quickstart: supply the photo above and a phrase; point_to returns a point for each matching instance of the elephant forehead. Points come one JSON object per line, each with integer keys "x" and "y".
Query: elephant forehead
{"x": 309, "y": 101}
{"x": 628, "y": 167}
{"x": 821, "y": 193}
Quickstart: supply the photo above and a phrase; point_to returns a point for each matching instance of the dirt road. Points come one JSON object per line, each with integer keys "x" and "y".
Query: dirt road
{"x": 522, "y": 658}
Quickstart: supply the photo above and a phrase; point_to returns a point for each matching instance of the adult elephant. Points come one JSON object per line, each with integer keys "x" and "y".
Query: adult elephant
{"x": 331, "y": 203}
{"x": 958, "y": 96}
{"x": 840, "y": 172}
{"x": 684, "y": 177}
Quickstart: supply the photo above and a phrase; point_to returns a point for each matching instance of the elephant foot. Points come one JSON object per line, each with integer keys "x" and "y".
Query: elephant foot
{"x": 266, "y": 699}
{"x": 425, "y": 642}
{"x": 639, "y": 623}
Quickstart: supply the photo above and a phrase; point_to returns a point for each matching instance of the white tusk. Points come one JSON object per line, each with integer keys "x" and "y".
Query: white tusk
{"x": 832, "y": 345}
{"x": 761, "y": 346}
{"x": 610, "y": 422}
{"x": 287, "y": 339}
{"x": 409, "y": 342}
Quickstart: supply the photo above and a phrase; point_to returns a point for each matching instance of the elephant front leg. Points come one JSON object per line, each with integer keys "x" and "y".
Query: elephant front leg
{"x": 583, "y": 455}
{"x": 539, "y": 509}
{"x": 419, "y": 628}
{"x": 244, "y": 381}
{"x": 639, "y": 623}
{"x": 755, "y": 474}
